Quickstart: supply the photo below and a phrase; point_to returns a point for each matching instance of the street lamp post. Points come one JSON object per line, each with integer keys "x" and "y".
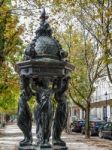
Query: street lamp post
{"x": 106, "y": 105}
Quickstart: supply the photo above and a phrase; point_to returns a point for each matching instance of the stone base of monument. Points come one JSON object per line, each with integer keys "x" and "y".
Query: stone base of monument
{"x": 43, "y": 147}
{"x": 52, "y": 148}
{"x": 34, "y": 147}
{"x": 38, "y": 148}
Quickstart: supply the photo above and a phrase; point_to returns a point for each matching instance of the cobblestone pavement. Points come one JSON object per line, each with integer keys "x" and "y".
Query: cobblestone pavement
{"x": 11, "y": 136}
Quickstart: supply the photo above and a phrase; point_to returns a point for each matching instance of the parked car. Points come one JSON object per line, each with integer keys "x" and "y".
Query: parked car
{"x": 77, "y": 125}
{"x": 106, "y": 131}
{"x": 94, "y": 127}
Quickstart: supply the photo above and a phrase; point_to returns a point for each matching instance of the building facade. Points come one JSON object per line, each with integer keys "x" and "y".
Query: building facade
{"x": 101, "y": 104}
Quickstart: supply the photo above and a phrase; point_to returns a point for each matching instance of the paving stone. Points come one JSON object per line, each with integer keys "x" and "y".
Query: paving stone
{"x": 9, "y": 140}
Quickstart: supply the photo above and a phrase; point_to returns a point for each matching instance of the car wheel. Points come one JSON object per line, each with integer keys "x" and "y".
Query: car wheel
{"x": 100, "y": 134}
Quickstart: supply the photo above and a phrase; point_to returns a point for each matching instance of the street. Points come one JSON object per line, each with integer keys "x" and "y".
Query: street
{"x": 10, "y": 137}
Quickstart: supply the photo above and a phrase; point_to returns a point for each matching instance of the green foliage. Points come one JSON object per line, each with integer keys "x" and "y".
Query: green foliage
{"x": 32, "y": 103}
{"x": 73, "y": 42}
{"x": 9, "y": 37}
{"x": 10, "y": 52}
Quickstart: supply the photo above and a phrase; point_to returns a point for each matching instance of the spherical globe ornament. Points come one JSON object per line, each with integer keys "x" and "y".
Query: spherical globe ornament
{"x": 44, "y": 45}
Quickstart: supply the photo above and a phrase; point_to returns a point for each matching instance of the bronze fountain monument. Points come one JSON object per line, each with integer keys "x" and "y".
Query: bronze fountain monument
{"x": 44, "y": 73}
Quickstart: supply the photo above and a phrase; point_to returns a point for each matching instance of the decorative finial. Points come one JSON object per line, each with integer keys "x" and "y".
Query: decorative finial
{"x": 43, "y": 16}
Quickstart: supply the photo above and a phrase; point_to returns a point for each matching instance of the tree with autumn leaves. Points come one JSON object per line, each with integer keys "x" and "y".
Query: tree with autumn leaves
{"x": 95, "y": 19}
{"x": 88, "y": 68}
{"x": 10, "y": 51}
{"x": 93, "y": 59}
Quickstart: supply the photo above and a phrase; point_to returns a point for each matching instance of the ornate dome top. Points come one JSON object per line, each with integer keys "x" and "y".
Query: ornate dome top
{"x": 44, "y": 45}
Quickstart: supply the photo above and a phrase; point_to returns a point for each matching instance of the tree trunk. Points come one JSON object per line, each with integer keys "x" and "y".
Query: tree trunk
{"x": 68, "y": 127}
{"x": 87, "y": 124}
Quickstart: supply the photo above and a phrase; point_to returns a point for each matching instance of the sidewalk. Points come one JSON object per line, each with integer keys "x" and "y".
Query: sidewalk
{"x": 12, "y": 135}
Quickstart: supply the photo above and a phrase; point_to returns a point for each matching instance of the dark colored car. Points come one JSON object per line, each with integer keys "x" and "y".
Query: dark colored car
{"x": 94, "y": 127}
{"x": 106, "y": 131}
{"x": 77, "y": 125}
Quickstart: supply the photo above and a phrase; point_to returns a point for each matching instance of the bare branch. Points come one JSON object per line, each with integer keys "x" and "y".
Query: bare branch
{"x": 109, "y": 74}
{"x": 76, "y": 102}
{"x": 78, "y": 91}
